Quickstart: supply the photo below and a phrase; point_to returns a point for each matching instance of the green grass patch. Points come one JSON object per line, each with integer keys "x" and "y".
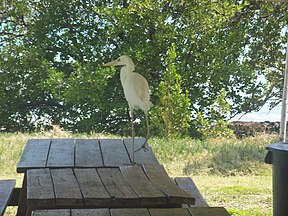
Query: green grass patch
{"x": 240, "y": 195}
{"x": 216, "y": 156}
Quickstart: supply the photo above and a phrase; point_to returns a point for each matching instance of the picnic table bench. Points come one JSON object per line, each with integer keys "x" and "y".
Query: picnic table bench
{"x": 82, "y": 175}
{"x": 124, "y": 186}
{"x": 6, "y": 189}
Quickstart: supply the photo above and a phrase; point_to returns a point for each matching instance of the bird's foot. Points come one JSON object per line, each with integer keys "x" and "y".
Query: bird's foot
{"x": 143, "y": 147}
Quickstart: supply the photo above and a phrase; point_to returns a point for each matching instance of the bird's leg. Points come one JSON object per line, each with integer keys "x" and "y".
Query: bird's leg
{"x": 133, "y": 135}
{"x": 143, "y": 146}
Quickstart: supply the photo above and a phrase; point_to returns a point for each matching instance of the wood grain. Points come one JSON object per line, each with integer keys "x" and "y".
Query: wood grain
{"x": 6, "y": 187}
{"x": 160, "y": 179}
{"x": 34, "y": 154}
{"x": 52, "y": 212}
{"x": 171, "y": 212}
{"x": 90, "y": 212}
{"x": 87, "y": 153}
{"x": 207, "y": 211}
{"x": 120, "y": 191}
{"x": 129, "y": 212}
{"x": 148, "y": 193}
{"x": 92, "y": 188}
{"x": 61, "y": 153}
{"x": 40, "y": 188}
{"x": 67, "y": 191}
{"x": 114, "y": 152}
{"x": 198, "y": 211}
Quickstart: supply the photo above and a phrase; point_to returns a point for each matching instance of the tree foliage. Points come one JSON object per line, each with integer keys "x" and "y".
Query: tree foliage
{"x": 215, "y": 125}
{"x": 52, "y": 52}
{"x": 171, "y": 115}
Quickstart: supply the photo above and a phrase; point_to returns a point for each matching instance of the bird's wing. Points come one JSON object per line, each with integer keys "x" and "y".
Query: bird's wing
{"x": 140, "y": 86}
{"x": 136, "y": 91}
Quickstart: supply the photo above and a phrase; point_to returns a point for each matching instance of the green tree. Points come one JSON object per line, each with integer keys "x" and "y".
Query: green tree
{"x": 215, "y": 125}
{"x": 171, "y": 115}
{"x": 52, "y": 52}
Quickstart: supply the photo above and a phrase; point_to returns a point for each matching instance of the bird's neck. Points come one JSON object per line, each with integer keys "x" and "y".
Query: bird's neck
{"x": 125, "y": 71}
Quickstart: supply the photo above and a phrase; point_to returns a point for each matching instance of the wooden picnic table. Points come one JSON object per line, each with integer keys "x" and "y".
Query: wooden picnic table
{"x": 85, "y": 173}
{"x": 195, "y": 211}
{"x": 86, "y": 153}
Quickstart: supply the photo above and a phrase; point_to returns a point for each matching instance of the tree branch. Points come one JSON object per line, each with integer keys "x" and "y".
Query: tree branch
{"x": 12, "y": 34}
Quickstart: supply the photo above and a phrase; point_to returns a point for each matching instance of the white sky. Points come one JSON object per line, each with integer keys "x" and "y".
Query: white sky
{"x": 262, "y": 115}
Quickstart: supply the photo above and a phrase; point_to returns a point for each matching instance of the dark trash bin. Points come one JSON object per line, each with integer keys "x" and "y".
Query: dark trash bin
{"x": 278, "y": 156}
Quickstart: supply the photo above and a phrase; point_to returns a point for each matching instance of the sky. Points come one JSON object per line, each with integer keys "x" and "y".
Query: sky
{"x": 262, "y": 115}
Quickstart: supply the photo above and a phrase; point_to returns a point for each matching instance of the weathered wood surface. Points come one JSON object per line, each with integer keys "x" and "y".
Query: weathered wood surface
{"x": 90, "y": 212}
{"x": 199, "y": 211}
{"x": 170, "y": 212}
{"x": 40, "y": 188}
{"x": 205, "y": 211}
{"x": 120, "y": 191}
{"x": 92, "y": 188}
{"x": 160, "y": 178}
{"x": 34, "y": 155}
{"x": 52, "y": 212}
{"x": 124, "y": 186}
{"x": 142, "y": 186}
{"x": 129, "y": 212}
{"x": 84, "y": 153}
{"x": 61, "y": 153}
{"x": 187, "y": 184}
{"x": 65, "y": 185}
{"x": 88, "y": 153}
{"x": 6, "y": 188}
{"x": 114, "y": 152}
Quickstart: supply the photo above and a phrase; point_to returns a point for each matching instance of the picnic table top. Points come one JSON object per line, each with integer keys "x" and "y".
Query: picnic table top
{"x": 195, "y": 211}
{"x": 86, "y": 153}
{"x": 125, "y": 186}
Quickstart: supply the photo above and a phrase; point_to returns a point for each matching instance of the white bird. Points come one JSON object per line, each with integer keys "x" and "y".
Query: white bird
{"x": 136, "y": 91}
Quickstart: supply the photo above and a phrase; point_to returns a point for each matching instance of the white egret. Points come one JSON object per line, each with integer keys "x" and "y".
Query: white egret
{"x": 136, "y": 91}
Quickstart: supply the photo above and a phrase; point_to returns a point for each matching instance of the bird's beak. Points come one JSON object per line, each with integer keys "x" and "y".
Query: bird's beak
{"x": 112, "y": 63}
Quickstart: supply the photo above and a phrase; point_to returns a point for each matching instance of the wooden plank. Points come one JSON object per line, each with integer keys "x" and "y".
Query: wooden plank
{"x": 149, "y": 194}
{"x": 141, "y": 157}
{"x": 187, "y": 184}
{"x": 92, "y": 188}
{"x": 40, "y": 188}
{"x": 51, "y": 212}
{"x": 170, "y": 212}
{"x": 87, "y": 153}
{"x": 6, "y": 188}
{"x": 129, "y": 212}
{"x": 120, "y": 191}
{"x": 67, "y": 191}
{"x": 114, "y": 152}
{"x": 34, "y": 154}
{"x": 159, "y": 177}
{"x": 207, "y": 211}
{"x": 90, "y": 212}
{"x": 61, "y": 153}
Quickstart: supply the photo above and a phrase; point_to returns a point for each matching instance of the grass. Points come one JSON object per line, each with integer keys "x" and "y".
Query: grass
{"x": 229, "y": 173}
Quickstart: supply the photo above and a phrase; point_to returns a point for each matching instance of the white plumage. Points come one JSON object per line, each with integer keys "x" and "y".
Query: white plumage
{"x": 136, "y": 91}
